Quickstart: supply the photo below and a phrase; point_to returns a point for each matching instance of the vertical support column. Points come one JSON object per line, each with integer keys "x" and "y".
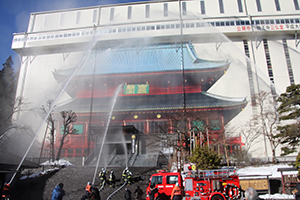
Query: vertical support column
{"x": 147, "y": 127}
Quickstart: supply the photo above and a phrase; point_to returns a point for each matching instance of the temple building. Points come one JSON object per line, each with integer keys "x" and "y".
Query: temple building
{"x": 138, "y": 65}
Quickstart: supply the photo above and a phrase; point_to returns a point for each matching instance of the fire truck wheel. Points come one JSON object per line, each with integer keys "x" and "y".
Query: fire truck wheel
{"x": 217, "y": 197}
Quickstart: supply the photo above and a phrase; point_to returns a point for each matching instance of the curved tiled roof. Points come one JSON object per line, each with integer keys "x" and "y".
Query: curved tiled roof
{"x": 155, "y": 103}
{"x": 145, "y": 59}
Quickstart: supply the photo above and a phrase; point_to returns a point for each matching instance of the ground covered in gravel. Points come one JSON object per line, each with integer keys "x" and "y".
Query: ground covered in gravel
{"x": 75, "y": 179}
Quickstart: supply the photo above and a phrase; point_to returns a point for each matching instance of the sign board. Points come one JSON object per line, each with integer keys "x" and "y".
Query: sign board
{"x": 136, "y": 89}
{"x": 269, "y": 27}
{"x": 257, "y": 184}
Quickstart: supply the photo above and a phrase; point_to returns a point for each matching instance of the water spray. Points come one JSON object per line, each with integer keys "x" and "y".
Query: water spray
{"x": 106, "y": 128}
{"x": 92, "y": 45}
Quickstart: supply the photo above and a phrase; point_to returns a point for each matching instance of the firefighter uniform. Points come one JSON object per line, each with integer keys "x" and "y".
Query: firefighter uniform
{"x": 128, "y": 177}
{"x": 102, "y": 176}
{"x": 124, "y": 174}
{"x": 88, "y": 190}
{"x": 177, "y": 193}
{"x": 6, "y": 191}
{"x": 112, "y": 179}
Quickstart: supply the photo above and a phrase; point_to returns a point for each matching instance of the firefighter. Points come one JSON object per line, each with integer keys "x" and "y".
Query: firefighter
{"x": 112, "y": 179}
{"x": 102, "y": 176}
{"x": 6, "y": 191}
{"x": 129, "y": 177}
{"x": 124, "y": 174}
{"x": 177, "y": 192}
{"x": 88, "y": 190}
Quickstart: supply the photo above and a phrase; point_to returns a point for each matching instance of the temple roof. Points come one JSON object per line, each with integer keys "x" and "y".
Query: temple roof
{"x": 144, "y": 60}
{"x": 150, "y": 103}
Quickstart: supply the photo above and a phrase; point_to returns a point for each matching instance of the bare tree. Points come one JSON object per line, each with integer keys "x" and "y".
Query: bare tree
{"x": 182, "y": 132}
{"x": 50, "y": 127}
{"x": 250, "y": 132}
{"x": 6, "y": 123}
{"x": 266, "y": 120}
{"x": 68, "y": 118}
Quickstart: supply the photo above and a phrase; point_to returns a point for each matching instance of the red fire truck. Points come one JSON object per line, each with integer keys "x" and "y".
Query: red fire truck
{"x": 204, "y": 185}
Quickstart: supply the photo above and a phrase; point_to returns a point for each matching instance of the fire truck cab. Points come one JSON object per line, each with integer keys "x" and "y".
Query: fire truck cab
{"x": 164, "y": 181}
{"x": 203, "y": 185}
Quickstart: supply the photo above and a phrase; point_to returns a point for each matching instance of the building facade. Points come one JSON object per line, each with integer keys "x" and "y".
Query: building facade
{"x": 257, "y": 37}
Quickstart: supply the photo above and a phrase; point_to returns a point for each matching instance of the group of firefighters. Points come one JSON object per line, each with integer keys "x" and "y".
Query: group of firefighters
{"x": 126, "y": 177}
{"x": 90, "y": 190}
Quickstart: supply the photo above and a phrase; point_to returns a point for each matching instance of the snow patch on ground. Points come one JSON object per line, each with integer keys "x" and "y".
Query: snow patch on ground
{"x": 60, "y": 162}
{"x": 56, "y": 164}
{"x": 276, "y": 196}
{"x": 268, "y": 170}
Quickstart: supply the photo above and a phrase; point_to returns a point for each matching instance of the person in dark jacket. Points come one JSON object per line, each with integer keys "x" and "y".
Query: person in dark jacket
{"x": 95, "y": 194}
{"x": 138, "y": 193}
{"x": 296, "y": 192}
{"x": 127, "y": 194}
{"x": 58, "y": 192}
{"x": 152, "y": 192}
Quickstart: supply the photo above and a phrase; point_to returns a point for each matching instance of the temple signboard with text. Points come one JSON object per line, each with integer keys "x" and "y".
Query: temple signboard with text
{"x": 136, "y": 89}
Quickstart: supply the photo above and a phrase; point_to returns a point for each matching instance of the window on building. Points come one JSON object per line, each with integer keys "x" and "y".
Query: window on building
{"x": 215, "y": 124}
{"x": 296, "y": 4}
{"x": 183, "y": 8}
{"x": 95, "y": 16}
{"x": 202, "y": 7}
{"x": 45, "y": 21}
{"x": 147, "y": 13}
{"x": 198, "y": 125}
{"x": 78, "y": 127}
{"x": 249, "y": 70}
{"x": 277, "y": 5}
{"x": 288, "y": 61}
{"x": 112, "y": 13}
{"x": 240, "y": 5}
{"x": 268, "y": 59}
{"x": 62, "y": 19}
{"x": 165, "y": 10}
{"x": 129, "y": 10}
{"x": 77, "y": 21}
{"x": 258, "y": 5}
{"x": 221, "y": 6}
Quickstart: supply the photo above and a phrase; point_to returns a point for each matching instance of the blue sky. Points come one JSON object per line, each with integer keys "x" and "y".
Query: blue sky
{"x": 14, "y": 18}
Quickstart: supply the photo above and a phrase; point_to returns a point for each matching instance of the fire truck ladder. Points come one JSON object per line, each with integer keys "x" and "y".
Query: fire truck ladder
{"x": 214, "y": 173}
